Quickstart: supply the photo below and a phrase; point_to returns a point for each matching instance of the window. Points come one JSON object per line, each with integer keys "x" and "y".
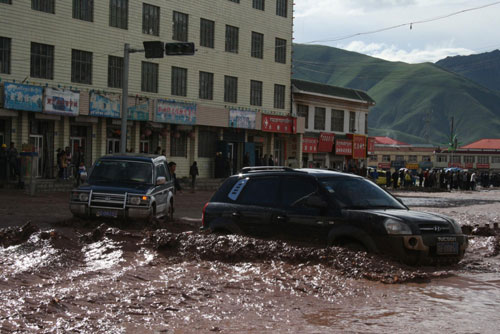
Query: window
{"x": 469, "y": 159}
{"x": 495, "y": 160}
{"x": 426, "y": 158}
{"x": 257, "y": 45}
{"x": 180, "y": 31}
{"x": 456, "y": 159}
{"x": 412, "y": 158}
{"x": 352, "y": 121}
{"x": 400, "y": 158}
{"x": 207, "y": 31}
{"x": 280, "y": 51}
{"x": 258, "y": 4}
{"x": 281, "y": 7}
{"x": 230, "y": 89}
{"x": 237, "y": 1}
{"x": 207, "y": 142}
{"x": 42, "y": 61}
{"x": 232, "y": 39}
{"x": 206, "y": 85}
{"x": 83, "y": 10}
{"x": 179, "y": 81}
{"x": 161, "y": 171}
{"x": 337, "y": 122}
{"x": 149, "y": 77}
{"x": 43, "y": 5}
{"x": 81, "y": 67}
{"x": 115, "y": 71}
{"x": 372, "y": 157}
{"x": 118, "y": 13}
{"x": 150, "y": 19}
{"x": 295, "y": 190}
{"x": 260, "y": 191}
{"x": 279, "y": 96}
{"x": 319, "y": 118}
{"x": 9, "y": 2}
{"x": 386, "y": 158}
{"x": 255, "y": 93}
{"x": 482, "y": 159}
{"x": 5, "y": 55}
{"x": 442, "y": 158}
{"x": 178, "y": 144}
{"x": 303, "y": 111}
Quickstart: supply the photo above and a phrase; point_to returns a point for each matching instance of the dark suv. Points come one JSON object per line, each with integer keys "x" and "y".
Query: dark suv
{"x": 334, "y": 208}
{"x": 135, "y": 186}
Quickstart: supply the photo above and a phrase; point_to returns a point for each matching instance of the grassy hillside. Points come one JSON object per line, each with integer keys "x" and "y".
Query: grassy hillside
{"x": 406, "y": 95}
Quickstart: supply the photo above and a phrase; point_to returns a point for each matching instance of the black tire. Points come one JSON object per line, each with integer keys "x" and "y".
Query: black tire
{"x": 354, "y": 246}
{"x": 169, "y": 217}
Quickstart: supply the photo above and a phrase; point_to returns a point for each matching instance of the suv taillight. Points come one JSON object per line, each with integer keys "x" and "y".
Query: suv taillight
{"x": 203, "y": 215}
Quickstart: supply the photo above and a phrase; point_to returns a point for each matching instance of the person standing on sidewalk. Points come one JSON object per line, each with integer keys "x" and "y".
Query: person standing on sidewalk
{"x": 13, "y": 165}
{"x": 171, "y": 168}
{"x": 4, "y": 163}
{"x": 193, "y": 172}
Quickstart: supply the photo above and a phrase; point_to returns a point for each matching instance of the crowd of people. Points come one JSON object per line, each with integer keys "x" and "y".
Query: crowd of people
{"x": 70, "y": 165}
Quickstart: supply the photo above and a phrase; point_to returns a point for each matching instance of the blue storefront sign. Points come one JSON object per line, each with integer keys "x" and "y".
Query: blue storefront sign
{"x": 61, "y": 102}
{"x": 104, "y": 106}
{"x": 171, "y": 111}
{"x": 139, "y": 112}
{"x": 23, "y": 97}
{"x": 243, "y": 119}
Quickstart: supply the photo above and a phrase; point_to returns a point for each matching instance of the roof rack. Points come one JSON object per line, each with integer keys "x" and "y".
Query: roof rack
{"x": 266, "y": 168}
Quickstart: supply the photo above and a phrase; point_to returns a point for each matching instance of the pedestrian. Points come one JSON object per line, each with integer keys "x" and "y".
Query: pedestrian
{"x": 81, "y": 170}
{"x": 265, "y": 160}
{"x": 158, "y": 150}
{"x": 4, "y": 163}
{"x": 69, "y": 166}
{"x": 77, "y": 160}
{"x": 64, "y": 164}
{"x": 171, "y": 168}
{"x": 395, "y": 177}
{"x": 246, "y": 159}
{"x": 219, "y": 166}
{"x": 271, "y": 160}
{"x": 473, "y": 181}
{"x": 13, "y": 164}
{"x": 193, "y": 171}
{"x": 388, "y": 178}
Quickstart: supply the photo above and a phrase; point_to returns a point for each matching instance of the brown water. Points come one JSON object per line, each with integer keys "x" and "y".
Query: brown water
{"x": 110, "y": 280}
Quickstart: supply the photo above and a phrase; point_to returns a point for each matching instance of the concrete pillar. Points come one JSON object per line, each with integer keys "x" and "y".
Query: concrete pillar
{"x": 135, "y": 137}
{"x": 299, "y": 149}
{"x": 94, "y": 142}
{"x": 24, "y": 124}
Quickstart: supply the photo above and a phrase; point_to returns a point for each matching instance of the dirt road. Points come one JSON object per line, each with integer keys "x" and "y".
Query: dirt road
{"x": 67, "y": 276}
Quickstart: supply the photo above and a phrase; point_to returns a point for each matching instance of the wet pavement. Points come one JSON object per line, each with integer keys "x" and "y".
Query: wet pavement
{"x": 63, "y": 275}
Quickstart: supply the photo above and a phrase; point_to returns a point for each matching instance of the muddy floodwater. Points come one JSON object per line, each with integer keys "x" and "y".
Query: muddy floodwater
{"x": 84, "y": 277}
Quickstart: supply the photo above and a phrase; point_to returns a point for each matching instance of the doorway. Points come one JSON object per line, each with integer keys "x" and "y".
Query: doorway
{"x": 37, "y": 142}
{"x": 113, "y": 145}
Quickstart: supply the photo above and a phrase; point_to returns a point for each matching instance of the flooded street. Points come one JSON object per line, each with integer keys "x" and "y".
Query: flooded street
{"x": 82, "y": 277}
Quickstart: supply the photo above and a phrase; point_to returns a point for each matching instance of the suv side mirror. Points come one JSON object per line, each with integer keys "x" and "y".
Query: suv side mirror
{"x": 316, "y": 201}
{"x": 161, "y": 180}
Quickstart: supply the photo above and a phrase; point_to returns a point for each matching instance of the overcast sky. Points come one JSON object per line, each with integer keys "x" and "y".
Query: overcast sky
{"x": 475, "y": 31}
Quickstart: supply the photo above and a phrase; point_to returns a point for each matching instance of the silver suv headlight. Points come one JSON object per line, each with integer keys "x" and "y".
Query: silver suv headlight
{"x": 138, "y": 200}
{"x": 393, "y": 226}
{"x": 79, "y": 196}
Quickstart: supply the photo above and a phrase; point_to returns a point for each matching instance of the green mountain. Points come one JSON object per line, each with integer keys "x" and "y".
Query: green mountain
{"x": 414, "y": 102}
{"x": 482, "y": 68}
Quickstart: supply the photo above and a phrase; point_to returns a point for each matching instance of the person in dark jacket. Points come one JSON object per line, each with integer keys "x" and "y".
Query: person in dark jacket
{"x": 171, "y": 167}
{"x": 13, "y": 164}
{"x": 193, "y": 172}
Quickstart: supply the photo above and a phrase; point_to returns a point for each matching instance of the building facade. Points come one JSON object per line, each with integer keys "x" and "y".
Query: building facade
{"x": 335, "y": 125}
{"x": 482, "y": 155}
{"x": 61, "y": 79}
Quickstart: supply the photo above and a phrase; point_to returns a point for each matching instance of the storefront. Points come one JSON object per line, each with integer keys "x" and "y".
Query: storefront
{"x": 284, "y": 140}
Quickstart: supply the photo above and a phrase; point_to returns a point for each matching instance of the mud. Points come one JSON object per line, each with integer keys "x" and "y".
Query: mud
{"x": 89, "y": 277}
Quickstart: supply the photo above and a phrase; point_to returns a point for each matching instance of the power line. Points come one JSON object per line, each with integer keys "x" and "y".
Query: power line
{"x": 410, "y": 24}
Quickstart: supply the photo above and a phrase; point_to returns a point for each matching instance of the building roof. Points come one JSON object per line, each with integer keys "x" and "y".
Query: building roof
{"x": 484, "y": 144}
{"x": 333, "y": 91}
{"x": 388, "y": 141}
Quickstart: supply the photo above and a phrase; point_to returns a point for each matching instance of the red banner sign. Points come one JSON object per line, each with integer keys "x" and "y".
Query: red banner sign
{"x": 469, "y": 165}
{"x": 326, "y": 142}
{"x": 343, "y": 147}
{"x": 384, "y": 165}
{"x": 371, "y": 145}
{"x": 358, "y": 146}
{"x": 483, "y": 166}
{"x": 309, "y": 145}
{"x": 281, "y": 124}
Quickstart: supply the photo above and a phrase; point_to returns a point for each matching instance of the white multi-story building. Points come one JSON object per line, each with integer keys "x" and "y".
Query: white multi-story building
{"x": 61, "y": 78}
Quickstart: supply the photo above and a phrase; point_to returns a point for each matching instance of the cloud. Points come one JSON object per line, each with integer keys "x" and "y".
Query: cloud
{"x": 393, "y": 53}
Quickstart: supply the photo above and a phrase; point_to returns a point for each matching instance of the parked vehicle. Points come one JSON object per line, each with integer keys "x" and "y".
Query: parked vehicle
{"x": 130, "y": 186}
{"x": 333, "y": 208}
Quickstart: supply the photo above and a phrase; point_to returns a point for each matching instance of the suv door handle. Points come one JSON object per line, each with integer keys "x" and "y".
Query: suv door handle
{"x": 281, "y": 219}
{"x": 236, "y": 214}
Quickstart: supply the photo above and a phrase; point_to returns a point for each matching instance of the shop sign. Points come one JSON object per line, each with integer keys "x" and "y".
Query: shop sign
{"x": 326, "y": 141}
{"x": 483, "y": 166}
{"x": 61, "y": 102}
{"x": 397, "y": 164}
{"x": 371, "y": 145}
{"x": 425, "y": 164}
{"x": 455, "y": 164}
{"x": 22, "y": 97}
{"x": 139, "y": 112}
{"x": 384, "y": 165}
{"x": 258, "y": 139}
{"x": 412, "y": 166}
{"x": 171, "y": 111}
{"x": 469, "y": 165}
{"x": 358, "y": 146}
{"x": 244, "y": 119}
{"x": 309, "y": 145}
{"x": 104, "y": 106}
{"x": 343, "y": 147}
{"x": 281, "y": 124}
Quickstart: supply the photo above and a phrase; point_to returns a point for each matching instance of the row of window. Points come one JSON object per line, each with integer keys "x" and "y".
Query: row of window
{"x": 42, "y": 66}
{"x": 410, "y": 158}
{"x": 336, "y": 121}
{"x": 480, "y": 159}
{"x": 281, "y": 6}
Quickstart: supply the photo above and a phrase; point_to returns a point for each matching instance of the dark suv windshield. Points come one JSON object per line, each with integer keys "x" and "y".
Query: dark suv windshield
{"x": 119, "y": 171}
{"x": 358, "y": 193}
